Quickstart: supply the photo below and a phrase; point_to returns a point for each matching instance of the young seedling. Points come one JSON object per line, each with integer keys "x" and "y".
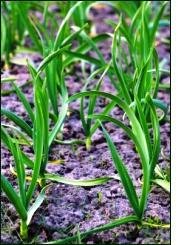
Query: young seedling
{"x": 140, "y": 40}
{"x": 147, "y": 147}
{"x": 86, "y": 121}
{"x": 22, "y": 201}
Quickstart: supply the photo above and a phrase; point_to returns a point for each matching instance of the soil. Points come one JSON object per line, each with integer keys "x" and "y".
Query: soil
{"x": 67, "y": 207}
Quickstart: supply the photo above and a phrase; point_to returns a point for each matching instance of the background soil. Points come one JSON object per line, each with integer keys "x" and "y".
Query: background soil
{"x": 67, "y": 207}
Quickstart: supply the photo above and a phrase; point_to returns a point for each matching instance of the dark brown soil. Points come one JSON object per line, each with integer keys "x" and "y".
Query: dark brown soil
{"x": 66, "y": 207}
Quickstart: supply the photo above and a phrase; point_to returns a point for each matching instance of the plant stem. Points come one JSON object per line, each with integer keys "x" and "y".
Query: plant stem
{"x": 88, "y": 143}
{"x": 23, "y": 230}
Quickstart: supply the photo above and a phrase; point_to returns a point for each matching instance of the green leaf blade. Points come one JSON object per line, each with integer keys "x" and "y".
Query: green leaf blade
{"x": 18, "y": 121}
{"x": 13, "y": 197}
{"x": 123, "y": 173}
{"x": 84, "y": 183}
